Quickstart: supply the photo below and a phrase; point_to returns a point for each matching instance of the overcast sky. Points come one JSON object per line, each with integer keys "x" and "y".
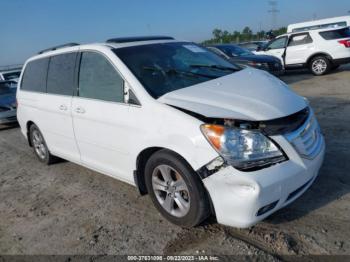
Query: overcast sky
{"x": 31, "y": 25}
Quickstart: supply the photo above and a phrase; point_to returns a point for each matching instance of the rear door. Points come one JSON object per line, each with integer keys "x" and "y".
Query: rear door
{"x": 45, "y": 98}
{"x": 56, "y": 124}
{"x": 300, "y": 47}
{"x": 100, "y": 116}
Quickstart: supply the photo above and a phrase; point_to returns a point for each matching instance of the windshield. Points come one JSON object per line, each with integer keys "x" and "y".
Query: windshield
{"x": 233, "y": 50}
{"x": 166, "y": 67}
{"x": 12, "y": 75}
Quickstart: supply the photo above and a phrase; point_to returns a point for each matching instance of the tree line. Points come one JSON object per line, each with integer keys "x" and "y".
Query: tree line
{"x": 224, "y": 36}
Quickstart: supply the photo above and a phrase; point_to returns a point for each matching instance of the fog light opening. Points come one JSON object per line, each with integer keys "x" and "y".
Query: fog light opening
{"x": 266, "y": 208}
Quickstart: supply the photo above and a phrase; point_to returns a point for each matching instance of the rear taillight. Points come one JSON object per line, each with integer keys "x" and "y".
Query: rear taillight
{"x": 346, "y": 43}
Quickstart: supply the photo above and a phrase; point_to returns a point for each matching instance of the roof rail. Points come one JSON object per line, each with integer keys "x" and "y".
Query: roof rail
{"x": 57, "y": 47}
{"x": 138, "y": 38}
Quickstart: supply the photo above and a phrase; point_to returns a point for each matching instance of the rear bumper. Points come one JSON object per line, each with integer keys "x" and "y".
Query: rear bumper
{"x": 240, "y": 197}
{"x": 341, "y": 61}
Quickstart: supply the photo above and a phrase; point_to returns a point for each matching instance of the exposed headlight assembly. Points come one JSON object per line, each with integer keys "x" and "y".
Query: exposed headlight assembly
{"x": 244, "y": 149}
{"x": 258, "y": 65}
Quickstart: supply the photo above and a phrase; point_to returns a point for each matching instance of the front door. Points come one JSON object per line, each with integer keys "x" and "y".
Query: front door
{"x": 276, "y": 48}
{"x": 100, "y": 117}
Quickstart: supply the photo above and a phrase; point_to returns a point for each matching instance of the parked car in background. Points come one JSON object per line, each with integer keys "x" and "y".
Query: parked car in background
{"x": 253, "y": 45}
{"x": 199, "y": 135}
{"x": 241, "y": 56}
{"x": 11, "y": 74}
{"x": 319, "y": 50}
{"x": 8, "y": 102}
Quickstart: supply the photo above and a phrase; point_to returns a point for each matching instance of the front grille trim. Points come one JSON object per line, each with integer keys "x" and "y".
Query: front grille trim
{"x": 307, "y": 139}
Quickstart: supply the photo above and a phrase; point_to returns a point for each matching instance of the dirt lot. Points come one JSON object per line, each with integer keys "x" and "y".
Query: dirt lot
{"x": 68, "y": 209}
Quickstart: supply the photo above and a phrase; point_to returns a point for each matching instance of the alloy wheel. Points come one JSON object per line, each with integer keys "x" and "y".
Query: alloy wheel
{"x": 319, "y": 66}
{"x": 171, "y": 190}
{"x": 39, "y": 145}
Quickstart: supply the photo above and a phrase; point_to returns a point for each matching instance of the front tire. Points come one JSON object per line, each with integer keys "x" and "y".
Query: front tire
{"x": 176, "y": 190}
{"x": 320, "y": 65}
{"x": 39, "y": 145}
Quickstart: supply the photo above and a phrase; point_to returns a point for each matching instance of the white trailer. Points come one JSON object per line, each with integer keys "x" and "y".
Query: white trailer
{"x": 334, "y": 22}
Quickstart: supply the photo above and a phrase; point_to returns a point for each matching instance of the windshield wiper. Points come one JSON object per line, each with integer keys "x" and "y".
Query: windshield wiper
{"x": 179, "y": 72}
{"x": 226, "y": 68}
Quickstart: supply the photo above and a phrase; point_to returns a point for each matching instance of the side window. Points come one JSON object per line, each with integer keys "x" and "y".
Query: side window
{"x": 216, "y": 51}
{"x": 278, "y": 43}
{"x": 34, "y": 76}
{"x": 60, "y": 78}
{"x": 336, "y": 34}
{"x": 300, "y": 39}
{"x": 98, "y": 79}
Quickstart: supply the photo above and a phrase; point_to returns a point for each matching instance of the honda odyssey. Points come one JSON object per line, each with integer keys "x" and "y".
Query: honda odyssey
{"x": 198, "y": 134}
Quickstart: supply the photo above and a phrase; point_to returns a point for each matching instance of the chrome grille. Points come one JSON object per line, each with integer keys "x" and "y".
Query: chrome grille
{"x": 307, "y": 140}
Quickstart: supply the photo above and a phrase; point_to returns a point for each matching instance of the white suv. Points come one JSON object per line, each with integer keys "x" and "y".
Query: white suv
{"x": 319, "y": 50}
{"x": 196, "y": 133}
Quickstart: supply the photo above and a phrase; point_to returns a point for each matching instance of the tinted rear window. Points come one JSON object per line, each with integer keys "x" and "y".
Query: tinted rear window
{"x": 336, "y": 34}
{"x": 60, "y": 78}
{"x": 34, "y": 77}
{"x": 13, "y": 75}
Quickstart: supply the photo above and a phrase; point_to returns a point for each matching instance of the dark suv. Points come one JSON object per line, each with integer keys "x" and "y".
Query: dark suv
{"x": 241, "y": 56}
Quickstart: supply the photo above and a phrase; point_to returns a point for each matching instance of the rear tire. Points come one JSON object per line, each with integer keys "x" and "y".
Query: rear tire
{"x": 39, "y": 146}
{"x": 176, "y": 190}
{"x": 320, "y": 65}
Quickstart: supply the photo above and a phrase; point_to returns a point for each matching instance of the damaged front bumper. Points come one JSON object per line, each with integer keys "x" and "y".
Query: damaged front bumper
{"x": 241, "y": 199}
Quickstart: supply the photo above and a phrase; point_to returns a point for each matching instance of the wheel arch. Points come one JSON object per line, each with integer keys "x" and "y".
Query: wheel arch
{"x": 328, "y": 56}
{"x": 28, "y": 125}
{"x": 141, "y": 161}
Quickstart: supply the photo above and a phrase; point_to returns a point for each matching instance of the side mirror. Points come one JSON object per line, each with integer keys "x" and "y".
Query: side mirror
{"x": 129, "y": 96}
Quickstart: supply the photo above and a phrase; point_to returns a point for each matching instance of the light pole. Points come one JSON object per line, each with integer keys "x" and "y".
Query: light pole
{"x": 273, "y": 11}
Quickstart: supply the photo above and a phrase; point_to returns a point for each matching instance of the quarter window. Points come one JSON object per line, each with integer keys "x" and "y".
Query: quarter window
{"x": 336, "y": 34}
{"x": 60, "y": 78}
{"x": 34, "y": 77}
{"x": 301, "y": 39}
{"x": 98, "y": 79}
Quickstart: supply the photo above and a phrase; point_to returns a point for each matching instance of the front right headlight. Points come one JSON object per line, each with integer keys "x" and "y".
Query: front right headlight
{"x": 242, "y": 148}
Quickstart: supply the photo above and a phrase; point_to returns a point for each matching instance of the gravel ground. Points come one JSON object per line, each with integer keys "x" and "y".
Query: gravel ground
{"x": 68, "y": 209}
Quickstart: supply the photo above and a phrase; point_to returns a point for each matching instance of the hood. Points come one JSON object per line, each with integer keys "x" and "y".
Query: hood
{"x": 249, "y": 94}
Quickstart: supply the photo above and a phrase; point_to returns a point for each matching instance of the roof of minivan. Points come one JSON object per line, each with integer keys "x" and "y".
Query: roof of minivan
{"x": 103, "y": 44}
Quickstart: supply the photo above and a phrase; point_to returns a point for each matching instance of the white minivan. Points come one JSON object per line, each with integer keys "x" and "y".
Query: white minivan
{"x": 198, "y": 134}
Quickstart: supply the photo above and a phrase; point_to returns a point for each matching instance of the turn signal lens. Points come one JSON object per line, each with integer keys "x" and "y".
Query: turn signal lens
{"x": 214, "y": 134}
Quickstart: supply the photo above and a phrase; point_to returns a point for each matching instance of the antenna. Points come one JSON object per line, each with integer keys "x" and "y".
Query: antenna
{"x": 273, "y": 11}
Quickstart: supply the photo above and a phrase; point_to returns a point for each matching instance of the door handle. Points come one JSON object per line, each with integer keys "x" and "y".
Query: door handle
{"x": 80, "y": 110}
{"x": 63, "y": 107}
